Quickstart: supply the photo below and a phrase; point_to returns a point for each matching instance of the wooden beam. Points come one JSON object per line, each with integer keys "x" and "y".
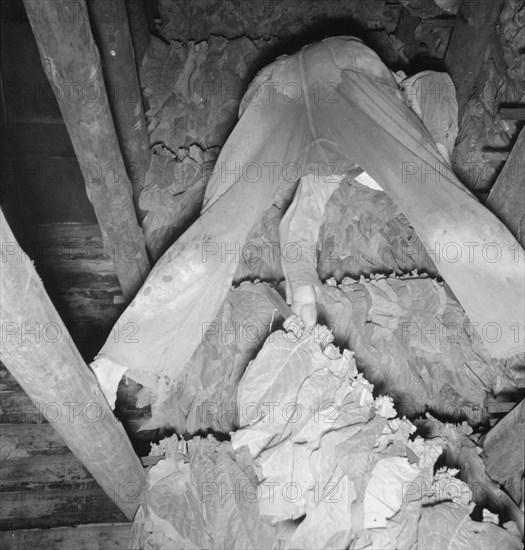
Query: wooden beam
{"x": 80, "y": 277}
{"x": 111, "y": 30}
{"x": 504, "y": 446}
{"x": 512, "y": 113}
{"x": 18, "y": 408}
{"x": 53, "y": 490}
{"x": 68, "y": 503}
{"x": 72, "y": 64}
{"x": 50, "y": 468}
{"x": 100, "y": 536}
{"x": 42, "y": 469}
{"x": 25, "y": 440}
{"x": 507, "y": 196}
{"x": 38, "y": 351}
{"x": 475, "y": 24}
{"x": 138, "y": 25}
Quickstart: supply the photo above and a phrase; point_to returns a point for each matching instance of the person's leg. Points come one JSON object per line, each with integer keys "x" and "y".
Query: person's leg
{"x": 475, "y": 253}
{"x": 186, "y": 288}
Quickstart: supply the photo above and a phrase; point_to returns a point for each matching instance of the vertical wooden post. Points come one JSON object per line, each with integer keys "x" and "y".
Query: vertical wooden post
{"x": 72, "y": 64}
{"x": 39, "y": 352}
{"x": 109, "y": 21}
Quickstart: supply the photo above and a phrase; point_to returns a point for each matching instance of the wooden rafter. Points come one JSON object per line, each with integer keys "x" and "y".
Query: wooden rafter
{"x": 40, "y": 354}
{"x": 72, "y": 64}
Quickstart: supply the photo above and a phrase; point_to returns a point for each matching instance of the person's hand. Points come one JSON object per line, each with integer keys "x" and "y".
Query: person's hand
{"x": 305, "y": 311}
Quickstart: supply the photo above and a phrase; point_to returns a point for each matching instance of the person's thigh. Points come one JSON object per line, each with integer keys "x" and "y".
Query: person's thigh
{"x": 474, "y": 252}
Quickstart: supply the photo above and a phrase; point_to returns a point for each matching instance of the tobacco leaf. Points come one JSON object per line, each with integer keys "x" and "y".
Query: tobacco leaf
{"x": 229, "y": 496}
{"x": 232, "y": 18}
{"x": 463, "y": 452}
{"x": 172, "y": 505}
{"x": 449, "y": 525}
{"x": 343, "y": 459}
{"x": 193, "y": 89}
{"x": 338, "y": 469}
{"x": 203, "y": 396}
{"x": 365, "y": 233}
{"x": 201, "y": 495}
{"x": 173, "y": 194}
{"x": 501, "y": 81}
{"x": 413, "y": 339}
{"x": 388, "y": 322}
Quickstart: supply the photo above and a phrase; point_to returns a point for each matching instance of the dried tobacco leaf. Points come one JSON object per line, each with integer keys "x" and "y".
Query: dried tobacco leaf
{"x": 324, "y": 468}
{"x": 194, "y": 89}
{"x": 203, "y": 397}
{"x": 463, "y": 452}
{"x": 201, "y": 495}
{"x": 414, "y": 341}
{"x": 173, "y": 194}
{"x": 449, "y": 526}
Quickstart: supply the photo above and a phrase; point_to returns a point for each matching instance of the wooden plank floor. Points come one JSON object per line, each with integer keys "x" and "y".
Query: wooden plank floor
{"x": 106, "y": 536}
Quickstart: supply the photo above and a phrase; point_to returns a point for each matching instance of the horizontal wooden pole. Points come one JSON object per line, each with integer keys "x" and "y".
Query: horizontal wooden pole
{"x": 101, "y": 536}
{"x": 25, "y": 440}
{"x": 53, "y": 490}
{"x": 56, "y": 505}
{"x": 512, "y": 113}
{"x": 43, "y": 469}
{"x": 18, "y": 408}
{"x": 48, "y": 468}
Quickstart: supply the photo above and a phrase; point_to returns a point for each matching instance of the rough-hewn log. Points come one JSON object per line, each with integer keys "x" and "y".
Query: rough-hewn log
{"x": 100, "y": 536}
{"x": 475, "y": 24}
{"x": 504, "y": 446}
{"x": 38, "y": 351}
{"x": 109, "y": 21}
{"x": 507, "y": 197}
{"x": 138, "y": 25}
{"x": 72, "y": 64}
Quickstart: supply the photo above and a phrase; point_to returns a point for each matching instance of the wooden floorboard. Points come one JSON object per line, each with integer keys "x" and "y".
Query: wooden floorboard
{"x": 105, "y": 536}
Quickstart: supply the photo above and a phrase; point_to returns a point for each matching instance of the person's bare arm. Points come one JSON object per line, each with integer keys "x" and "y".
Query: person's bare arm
{"x": 299, "y": 232}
